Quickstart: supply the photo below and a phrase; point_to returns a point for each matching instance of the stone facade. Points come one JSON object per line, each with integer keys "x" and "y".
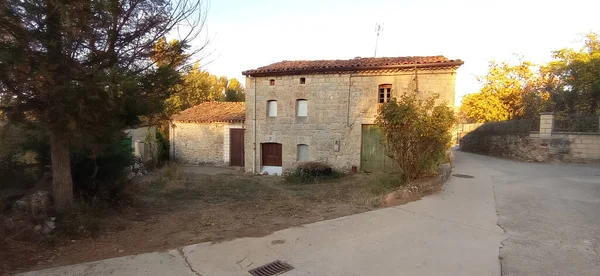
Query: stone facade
{"x": 200, "y": 143}
{"x": 338, "y": 106}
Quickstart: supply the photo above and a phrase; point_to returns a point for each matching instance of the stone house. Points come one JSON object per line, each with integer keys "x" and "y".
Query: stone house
{"x": 211, "y": 133}
{"x": 143, "y": 142}
{"x": 324, "y": 110}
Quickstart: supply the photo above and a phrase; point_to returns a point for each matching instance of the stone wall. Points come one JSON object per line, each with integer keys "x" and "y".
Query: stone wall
{"x": 143, "y": 141}
{"x": 519, "y": 146}
{"x": 197, "y": 144}
{"x": 542, "y": 146}
{"x": 338, "y": 106}
{"x": 572, "y": 146}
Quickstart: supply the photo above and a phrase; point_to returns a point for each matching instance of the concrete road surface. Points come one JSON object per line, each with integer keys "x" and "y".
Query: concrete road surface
{"x": 550, "y": 214}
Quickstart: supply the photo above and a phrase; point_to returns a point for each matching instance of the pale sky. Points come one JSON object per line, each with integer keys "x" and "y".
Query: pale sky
{"x": 251, "y": 33}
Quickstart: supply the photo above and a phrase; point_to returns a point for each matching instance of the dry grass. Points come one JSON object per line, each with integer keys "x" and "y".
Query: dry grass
{"x": 172, "y": 209}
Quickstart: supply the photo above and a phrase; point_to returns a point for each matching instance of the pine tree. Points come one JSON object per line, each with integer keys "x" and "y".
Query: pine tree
{"x": 84, "y": 68}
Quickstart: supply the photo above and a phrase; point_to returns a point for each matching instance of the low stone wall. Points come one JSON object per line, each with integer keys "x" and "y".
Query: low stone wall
{"x": 566, "y": 147}
{"x": 513, "y": 145}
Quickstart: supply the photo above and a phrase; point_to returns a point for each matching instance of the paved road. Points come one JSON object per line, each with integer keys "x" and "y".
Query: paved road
{"x": 550, "y": 214}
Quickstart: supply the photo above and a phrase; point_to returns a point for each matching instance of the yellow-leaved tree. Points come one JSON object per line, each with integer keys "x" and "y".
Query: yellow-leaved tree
{"x": 508, "y": 92}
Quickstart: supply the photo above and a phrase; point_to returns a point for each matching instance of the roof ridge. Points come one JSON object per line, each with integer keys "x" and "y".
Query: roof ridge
{"x": 357, "y": 63}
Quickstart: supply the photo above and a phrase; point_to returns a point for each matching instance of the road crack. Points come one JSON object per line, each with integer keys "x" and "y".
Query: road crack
{"x": 595, "y": 248}
{"x": 187, "y": 262}
{"x": 503, "y": 242}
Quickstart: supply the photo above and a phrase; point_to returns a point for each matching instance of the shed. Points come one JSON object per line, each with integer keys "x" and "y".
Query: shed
{"x": 211, "y": 133}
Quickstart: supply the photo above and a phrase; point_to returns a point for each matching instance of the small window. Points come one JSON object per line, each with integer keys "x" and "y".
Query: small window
{"x": 272, "y": 108}
{"x": 302, "y": 80}
{"x": 272, "y": 82}
{"x": 301, "y": 108}
{"x": 385, "y": 93}
{"x": 302, "y": 152}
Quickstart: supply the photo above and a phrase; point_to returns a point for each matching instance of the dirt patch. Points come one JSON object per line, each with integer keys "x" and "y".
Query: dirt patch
{"x": 420, "y": 188}
{"x": 172, "y": 208}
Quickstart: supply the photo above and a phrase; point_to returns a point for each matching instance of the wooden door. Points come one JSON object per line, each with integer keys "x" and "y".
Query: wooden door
{"x": 236, "y": 147}
{"x": 372, "y": 154}
{"x": 271, "y": 154}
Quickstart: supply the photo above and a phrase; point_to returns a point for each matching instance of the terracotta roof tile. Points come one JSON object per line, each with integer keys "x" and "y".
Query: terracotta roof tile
{"x": 309, "y": 66}
{"x": 213, "y": 112}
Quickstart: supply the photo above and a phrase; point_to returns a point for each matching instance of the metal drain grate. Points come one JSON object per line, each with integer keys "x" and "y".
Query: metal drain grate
{"x": 463, "y": 175}
{"x": 275, "y": 268}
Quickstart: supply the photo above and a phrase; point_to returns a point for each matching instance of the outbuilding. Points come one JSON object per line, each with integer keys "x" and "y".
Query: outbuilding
{"x": 211, "y": 133}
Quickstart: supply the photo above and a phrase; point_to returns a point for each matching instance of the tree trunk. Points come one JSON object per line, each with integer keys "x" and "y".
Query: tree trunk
{"x": 62, "y": 182}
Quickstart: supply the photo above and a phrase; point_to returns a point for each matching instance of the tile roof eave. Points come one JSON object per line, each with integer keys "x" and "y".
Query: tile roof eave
{"x": 290, "y": 71}
{"x": 208, "y": 122}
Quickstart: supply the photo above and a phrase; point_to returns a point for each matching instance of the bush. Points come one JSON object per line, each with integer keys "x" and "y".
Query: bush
{"x": 163, "y": 146}
{"x": 310, "y": 172}
{"x": 22, "y": 155}
{"x": 102, "y": 175}
{"x": 416, "y": 133}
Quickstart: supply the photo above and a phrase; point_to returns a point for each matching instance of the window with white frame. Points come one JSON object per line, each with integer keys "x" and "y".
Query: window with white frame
{"x": 302, "y": 152}
{"x": 301, "y": 108}
{"x": 272, "y": 108}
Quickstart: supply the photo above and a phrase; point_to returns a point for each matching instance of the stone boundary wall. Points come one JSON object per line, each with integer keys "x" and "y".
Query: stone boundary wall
{"x": 544, "y": 145}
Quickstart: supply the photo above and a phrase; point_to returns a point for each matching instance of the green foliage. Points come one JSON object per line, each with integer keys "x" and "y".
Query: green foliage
{"x": 168, "y": 54}
{"x": 101, "y": 175}
{"x": 508, "y": 92}
{"x": 569, "y": 85}
{"x": 416, "y": 133}
{"x": 576, "y": 75}
{"x": 311, "y": 172}
{"x": 84, "y": 70}
{"x": 234, "y": 92}
{"x": 21, "y": 146}
{"x": 200, "y": 86}
{"x": 163, "y": 146}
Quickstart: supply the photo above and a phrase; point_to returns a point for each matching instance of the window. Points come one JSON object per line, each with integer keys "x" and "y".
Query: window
{"x": 301, "y": 108}
{"x": 302, "y": 152}
{"x": 385, "y": 93}
{"x": 272, "y": 82}
{"x": 272, "y": 108}
{"x": 302, "y": 80}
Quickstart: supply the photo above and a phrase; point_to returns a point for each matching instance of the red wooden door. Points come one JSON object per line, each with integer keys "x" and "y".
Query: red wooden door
{"x": 271, "y": 154}
{"x": 236, "y": 147}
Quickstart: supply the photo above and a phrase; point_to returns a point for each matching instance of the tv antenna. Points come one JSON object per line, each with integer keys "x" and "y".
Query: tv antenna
{"x": 378, "y": 29}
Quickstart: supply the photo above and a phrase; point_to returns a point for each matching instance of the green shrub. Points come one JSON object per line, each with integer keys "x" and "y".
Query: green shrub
{"x": 102, "y": 175}
{"x": 163, "y": 146}
{"x": 311, "y": 172}
{"x": 21, "y": 148}
{"x": 416, "y": 133}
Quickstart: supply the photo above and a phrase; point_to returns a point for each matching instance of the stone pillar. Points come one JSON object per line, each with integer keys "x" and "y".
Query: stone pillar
{"x": 546, "y": 124}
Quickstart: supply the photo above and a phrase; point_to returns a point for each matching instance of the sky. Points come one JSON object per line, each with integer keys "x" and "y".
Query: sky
{"x": 246, "y": 34}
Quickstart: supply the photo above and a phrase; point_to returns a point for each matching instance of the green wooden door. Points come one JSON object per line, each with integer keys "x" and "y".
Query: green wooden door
{"x": 372, "y": 155}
